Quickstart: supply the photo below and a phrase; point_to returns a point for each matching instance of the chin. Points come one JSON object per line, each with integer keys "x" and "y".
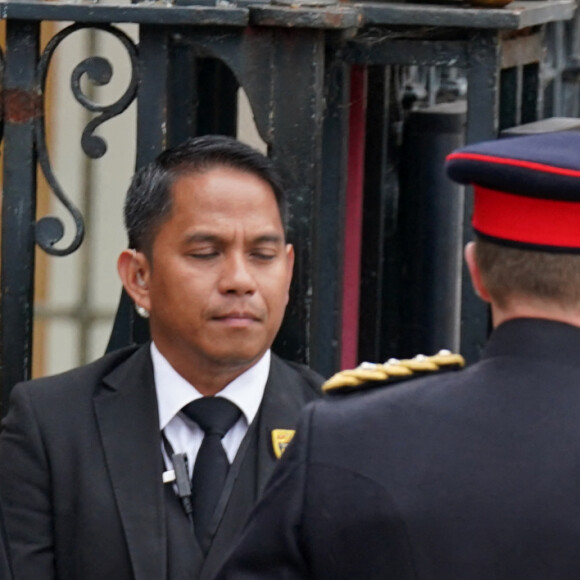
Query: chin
{"x": 238, "y": 358}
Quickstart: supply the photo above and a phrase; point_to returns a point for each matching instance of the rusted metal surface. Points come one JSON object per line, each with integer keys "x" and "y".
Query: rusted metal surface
{"x": 21, "y": 106}
{"x": 331, "y": 17}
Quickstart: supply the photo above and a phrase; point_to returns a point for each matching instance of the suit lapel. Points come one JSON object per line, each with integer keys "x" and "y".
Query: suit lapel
{"x": 127, "y": 415}
{"x": 252, "y": 466}
{"x": 282, "y": 403}
{"x": 279, "y": 410}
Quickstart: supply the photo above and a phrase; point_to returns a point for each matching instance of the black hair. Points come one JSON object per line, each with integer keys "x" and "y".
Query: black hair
{"x": 149, "y": 200}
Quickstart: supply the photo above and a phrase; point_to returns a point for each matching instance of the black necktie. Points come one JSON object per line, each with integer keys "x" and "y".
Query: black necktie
{"x": 216, "y": 416}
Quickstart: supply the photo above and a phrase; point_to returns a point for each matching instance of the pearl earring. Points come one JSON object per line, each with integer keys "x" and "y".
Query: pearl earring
{"x": 142, "y": 311}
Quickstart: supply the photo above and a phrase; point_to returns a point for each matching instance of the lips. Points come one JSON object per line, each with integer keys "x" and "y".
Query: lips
{"x": 237, "y": 318}
{"x": 237, "y": 314}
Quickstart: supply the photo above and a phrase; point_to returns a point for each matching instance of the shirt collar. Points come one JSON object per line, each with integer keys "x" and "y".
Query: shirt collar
{"x": 174, "y": 392}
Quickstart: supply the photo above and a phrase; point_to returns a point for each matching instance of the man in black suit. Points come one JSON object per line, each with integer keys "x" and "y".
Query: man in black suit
{"x": 468, "y": 475}
{"x": 95, "y": 464}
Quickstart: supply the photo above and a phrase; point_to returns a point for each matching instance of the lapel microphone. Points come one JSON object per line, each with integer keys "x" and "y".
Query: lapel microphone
{"x": 179, "y": 475}
{"x": 179, "y": 461}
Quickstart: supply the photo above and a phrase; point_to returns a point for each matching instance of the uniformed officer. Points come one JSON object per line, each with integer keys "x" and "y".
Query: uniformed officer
{"x": 467, "y": 475}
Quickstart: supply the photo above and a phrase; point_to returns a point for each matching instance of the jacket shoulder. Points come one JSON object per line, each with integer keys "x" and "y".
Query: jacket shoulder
{"x": 372, "y": 375}
{"x": 88, "y": 374}
{"x": 302, "y": 373}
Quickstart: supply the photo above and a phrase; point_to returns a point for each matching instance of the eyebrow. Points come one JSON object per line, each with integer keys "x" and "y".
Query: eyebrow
{"x": 213, "y": 238}
{"x": 269, "y": 238}
{"x": 201, "y": 237}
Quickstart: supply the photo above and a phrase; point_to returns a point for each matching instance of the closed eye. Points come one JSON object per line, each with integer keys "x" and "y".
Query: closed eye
{"x": 265, "y": 255}
{"x": 205, "y": 255}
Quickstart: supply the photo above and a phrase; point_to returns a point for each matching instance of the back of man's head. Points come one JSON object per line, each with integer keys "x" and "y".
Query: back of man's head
{"x": 512, "y": 273}
{"x": 526, "y": 217}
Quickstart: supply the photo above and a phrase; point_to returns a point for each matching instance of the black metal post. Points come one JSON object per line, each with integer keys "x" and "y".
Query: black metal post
{"x": 298, "y": 70}
{"x": 431, "y": 222}
{"x": 329, "y": 209}
{"x": 22, "y": 106}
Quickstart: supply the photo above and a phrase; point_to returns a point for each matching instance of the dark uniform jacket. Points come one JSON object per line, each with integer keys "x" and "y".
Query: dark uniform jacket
{"x": 81, "y": 474}
{"x": 472, "y": 475}
{"x": 5, "y": 569}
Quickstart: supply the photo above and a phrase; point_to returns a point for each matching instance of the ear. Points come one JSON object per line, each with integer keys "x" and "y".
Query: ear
{"x": 475, "y": 273}
{"x": 289, "y": 268}
{"x": 133, "y": 268}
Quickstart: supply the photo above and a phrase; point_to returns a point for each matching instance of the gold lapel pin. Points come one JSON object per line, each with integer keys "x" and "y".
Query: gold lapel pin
{"x": 280, "y": 440}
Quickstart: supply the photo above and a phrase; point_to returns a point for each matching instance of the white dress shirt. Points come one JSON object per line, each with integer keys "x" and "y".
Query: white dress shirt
{"x": 174, "y": 392}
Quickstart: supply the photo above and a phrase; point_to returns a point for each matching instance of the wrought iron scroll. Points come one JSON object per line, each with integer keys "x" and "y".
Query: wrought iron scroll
{"x": 50, "y": 229}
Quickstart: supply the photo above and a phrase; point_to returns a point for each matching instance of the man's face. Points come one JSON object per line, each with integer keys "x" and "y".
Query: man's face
{"x": 220, "y": 271}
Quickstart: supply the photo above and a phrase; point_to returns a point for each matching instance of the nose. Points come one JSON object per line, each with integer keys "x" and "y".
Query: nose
{"x": 236, "y": 276}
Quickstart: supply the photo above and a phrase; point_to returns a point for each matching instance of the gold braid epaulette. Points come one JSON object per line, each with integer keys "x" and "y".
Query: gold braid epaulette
{"x": 368, "y": 375}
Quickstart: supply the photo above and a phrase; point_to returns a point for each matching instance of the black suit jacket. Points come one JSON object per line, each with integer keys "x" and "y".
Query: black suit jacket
{"x": 80, "y": 470}
{"x": 469, "y": 475}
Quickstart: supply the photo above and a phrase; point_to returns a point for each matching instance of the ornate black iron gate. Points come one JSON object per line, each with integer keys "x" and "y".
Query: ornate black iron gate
{"x": 300, "y": 64}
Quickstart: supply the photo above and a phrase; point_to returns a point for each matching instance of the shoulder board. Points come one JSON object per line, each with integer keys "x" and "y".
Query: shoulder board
{"x": 371, "y": 375}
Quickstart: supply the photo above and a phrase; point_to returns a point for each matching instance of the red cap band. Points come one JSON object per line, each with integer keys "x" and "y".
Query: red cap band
{"x": 526, "y": 220}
